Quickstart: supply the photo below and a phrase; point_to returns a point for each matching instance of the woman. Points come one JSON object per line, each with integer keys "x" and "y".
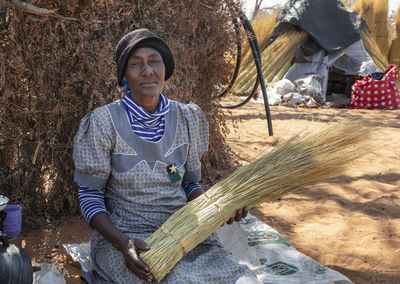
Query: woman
{"x": 137, "y": 161}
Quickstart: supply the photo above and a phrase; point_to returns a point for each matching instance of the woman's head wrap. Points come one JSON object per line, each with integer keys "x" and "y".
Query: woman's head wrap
{"x": 137, "y": 39}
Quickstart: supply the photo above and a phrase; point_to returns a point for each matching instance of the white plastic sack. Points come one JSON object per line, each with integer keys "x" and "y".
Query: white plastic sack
{"x": 283, "y": 86}
{"x": 274, "y": 98}
{"x": 48, "y": 273}
{"x": 311, "y": 86}
{"x": 293, "y": 99}
{"x": 276, "y": 90}
{"x": 311, "y": 103}
{"x": 367, "y": 67}
{"x": 80, "y": 253}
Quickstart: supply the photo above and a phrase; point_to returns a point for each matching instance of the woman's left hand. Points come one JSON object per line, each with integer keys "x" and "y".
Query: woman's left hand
{"x": 240, "y": 214}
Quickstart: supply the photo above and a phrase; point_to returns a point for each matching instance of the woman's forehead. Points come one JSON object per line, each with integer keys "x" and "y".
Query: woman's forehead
{"x": 145, "y": 52}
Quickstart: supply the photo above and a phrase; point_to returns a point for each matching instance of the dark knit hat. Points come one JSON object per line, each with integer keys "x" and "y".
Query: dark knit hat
{"x": 142, "y": 38}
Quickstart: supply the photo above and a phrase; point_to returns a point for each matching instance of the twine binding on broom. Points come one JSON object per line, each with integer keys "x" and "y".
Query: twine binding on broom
{"x": 166, "y": 232}
{"x": 216, "y": 205}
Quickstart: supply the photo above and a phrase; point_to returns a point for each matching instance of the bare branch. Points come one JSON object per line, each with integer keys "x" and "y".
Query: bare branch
{"x": 29, "y": 8}
{"x": 257, "y": 7}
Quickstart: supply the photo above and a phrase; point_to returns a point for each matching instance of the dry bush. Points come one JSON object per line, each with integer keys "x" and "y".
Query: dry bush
{"x": 54, "y": 70}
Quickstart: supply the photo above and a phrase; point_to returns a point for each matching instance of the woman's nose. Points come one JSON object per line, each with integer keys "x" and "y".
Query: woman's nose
{"x": 147, "y": 70}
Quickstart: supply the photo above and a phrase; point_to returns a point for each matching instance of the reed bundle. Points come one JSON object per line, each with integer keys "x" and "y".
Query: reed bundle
{"x": 275, "y": 60}
{"x": 381, "y": 25}
{"x": 394, "y": 53}
{"x": 366, "y": 9}
{"x": 373, "y": 49}
{"x": 263, "y": 26}
{"x": 301, "y": 161}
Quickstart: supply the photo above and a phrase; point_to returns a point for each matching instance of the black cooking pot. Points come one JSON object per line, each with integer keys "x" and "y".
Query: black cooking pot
{"x": 15, "y": 264}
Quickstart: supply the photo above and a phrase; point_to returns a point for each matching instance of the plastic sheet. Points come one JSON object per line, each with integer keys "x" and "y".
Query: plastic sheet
{"x": 253, "y": 243}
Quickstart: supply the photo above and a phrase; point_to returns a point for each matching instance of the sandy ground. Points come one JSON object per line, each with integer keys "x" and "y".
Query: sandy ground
{"x": 350, "y": 223}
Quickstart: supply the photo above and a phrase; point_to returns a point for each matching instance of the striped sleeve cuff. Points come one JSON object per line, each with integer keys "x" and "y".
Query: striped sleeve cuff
{"x": 190, "y": 187}
{"x": 91, "y": 202}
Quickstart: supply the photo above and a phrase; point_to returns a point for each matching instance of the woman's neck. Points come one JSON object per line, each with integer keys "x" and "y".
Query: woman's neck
{"x": 149, "y": 103}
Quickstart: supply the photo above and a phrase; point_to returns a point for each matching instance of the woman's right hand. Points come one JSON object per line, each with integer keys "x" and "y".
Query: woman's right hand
{"x": 131, "y": 255}
{"x": 130, "y": 248}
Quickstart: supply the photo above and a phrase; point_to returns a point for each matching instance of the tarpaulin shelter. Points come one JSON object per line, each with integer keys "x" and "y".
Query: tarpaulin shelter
{"x": 333, "y": 39}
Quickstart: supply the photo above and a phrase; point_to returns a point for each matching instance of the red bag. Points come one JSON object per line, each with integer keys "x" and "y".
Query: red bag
{"x": 370, "y": 93}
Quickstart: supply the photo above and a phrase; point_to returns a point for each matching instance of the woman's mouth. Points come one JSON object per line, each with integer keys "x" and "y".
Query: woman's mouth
{"x": 149, "y": 84}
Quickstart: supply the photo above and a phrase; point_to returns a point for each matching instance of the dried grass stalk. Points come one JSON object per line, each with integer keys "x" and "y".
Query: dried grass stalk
{"x": 299, "y": 162}
{"x": 381, "y": 25}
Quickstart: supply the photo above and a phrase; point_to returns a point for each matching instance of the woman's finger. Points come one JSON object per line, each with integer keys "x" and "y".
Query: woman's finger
{"x": 139, "y": 263}
{"x": 244, "y": 212}
{"x": 238, "y": 215}
{"x": 141, "y": 245}
{"x": 230, "y": 221}
{"x": 134, "y": 263}
{"x": 140, "y": 272}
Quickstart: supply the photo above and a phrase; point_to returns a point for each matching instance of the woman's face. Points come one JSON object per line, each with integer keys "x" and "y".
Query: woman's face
{"x": 145, "y": 73}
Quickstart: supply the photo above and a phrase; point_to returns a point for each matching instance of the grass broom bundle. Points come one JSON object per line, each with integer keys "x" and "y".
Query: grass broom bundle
{"x": 297, "y": 163}
{"x": 275, "y": 60}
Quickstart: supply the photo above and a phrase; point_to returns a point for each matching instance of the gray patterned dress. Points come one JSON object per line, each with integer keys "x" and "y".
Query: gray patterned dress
{"x": 139, "y": 194}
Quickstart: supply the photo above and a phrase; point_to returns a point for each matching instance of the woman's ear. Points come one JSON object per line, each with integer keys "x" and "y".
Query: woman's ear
{"x": 126, "y": 85}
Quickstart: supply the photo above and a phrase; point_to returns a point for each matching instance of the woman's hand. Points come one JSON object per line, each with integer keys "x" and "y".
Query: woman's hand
{"x": 131, "y": 255}
{"x": 130, "y": 248}
{"x": 240, "y": 214}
